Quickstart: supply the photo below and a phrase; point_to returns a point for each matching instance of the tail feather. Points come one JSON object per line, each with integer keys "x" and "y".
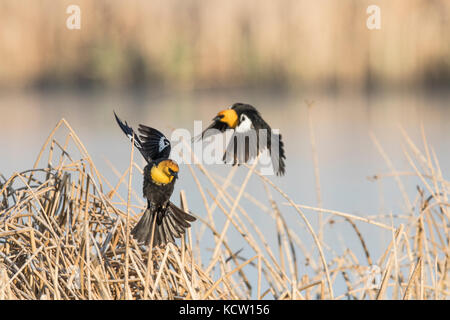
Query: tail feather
{"x": 180, "y": 221}
{"x": 162, "y": 235}
{"x": 168, "y": 233}
{"x": 169, "y": 225}
{"x": 144, "y": 226}
{"x": 181, "y": 213}
{"x": 174, "y": 228}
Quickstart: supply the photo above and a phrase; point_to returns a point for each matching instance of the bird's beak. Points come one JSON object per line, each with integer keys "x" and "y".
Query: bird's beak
{"x": 175, "y": 175}
{"x": 218, "y": 117}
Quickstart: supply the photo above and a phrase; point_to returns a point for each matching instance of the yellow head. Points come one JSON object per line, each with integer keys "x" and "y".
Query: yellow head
{"x": 164, "y": 172}
{"x": 229, "y": 117}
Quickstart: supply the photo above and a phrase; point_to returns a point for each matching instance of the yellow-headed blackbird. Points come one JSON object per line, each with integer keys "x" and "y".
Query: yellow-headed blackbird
{"x": 243, "y": 119}
{"x": 160, "y": 175}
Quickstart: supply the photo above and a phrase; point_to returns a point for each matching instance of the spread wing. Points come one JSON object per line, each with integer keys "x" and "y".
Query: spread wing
{"x": 277, "y": 154}
{"x": 247, "y": 141}
{"x": 215, "y": 128}
{"x": 243, "y": 147}
{"x": 130, "y": 133}
{"x": 151, "y": 143}
{"x": 155, "y": 144}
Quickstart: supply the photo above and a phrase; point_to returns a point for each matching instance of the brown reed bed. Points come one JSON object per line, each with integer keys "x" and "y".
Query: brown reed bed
{"x": 65, "y": 234}
{"x": 225, "y": 43}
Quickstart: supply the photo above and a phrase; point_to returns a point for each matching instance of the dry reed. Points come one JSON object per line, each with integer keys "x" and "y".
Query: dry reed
{"x": 64, "y": 234}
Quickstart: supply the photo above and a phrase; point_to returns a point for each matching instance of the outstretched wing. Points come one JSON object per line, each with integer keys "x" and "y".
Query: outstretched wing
{"x": 248, "y": 140}
{"x": 277, "y": 154}
{"x": 215, "y": 128}
{"x": 242, "y": 148}
{"x": 151, "y": 143}
{"x": 130, "y": 133}
{"x": 155, "y": 144}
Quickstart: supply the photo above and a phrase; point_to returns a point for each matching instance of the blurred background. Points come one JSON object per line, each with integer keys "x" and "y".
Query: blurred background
{"x": 168, "y": 63}
{"x": 195, "y": 45}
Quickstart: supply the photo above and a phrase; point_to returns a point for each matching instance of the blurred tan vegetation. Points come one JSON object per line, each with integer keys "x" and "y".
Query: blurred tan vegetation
{"x": 201, "y": 44}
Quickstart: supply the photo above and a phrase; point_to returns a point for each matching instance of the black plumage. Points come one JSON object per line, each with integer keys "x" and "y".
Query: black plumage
{"x": 245, "y": 142}
{"x": 162, "y": 221}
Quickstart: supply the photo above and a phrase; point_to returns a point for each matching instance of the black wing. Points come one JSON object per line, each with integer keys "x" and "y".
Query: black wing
{"x": 274, "y": 144}
{"x": 154, "y": 142}
{"x": 130, "y": 133}
{"x": 151, "y": 143}
{"x": 277, "y": 154}
{"x": 245, "y": 146}
{"x": 242, "y": 147}
{"x": 215, "y": 128}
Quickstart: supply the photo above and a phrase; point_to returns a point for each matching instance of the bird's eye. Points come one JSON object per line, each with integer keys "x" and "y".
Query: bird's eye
{"x": 242, "y": 117}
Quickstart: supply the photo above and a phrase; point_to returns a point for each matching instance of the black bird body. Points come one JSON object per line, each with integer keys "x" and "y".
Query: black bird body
{"x": 245, "y": 119}
{"x": 162, "y": 221}
{"x": 156, "y": 193}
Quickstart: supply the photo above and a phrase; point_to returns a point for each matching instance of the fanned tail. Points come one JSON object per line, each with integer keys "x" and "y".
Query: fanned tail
{"x": 169, "y": 225}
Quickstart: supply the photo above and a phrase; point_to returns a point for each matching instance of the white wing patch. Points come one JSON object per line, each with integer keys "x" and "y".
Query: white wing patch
{"x": 245, "y": 124}
{"x": 136, "y": 143}
{"x": 163, "y": 143}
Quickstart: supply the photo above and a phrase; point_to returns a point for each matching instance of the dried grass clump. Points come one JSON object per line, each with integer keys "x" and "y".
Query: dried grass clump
{"x": 62, "y": 237}
{"x": 65, "y": 234}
